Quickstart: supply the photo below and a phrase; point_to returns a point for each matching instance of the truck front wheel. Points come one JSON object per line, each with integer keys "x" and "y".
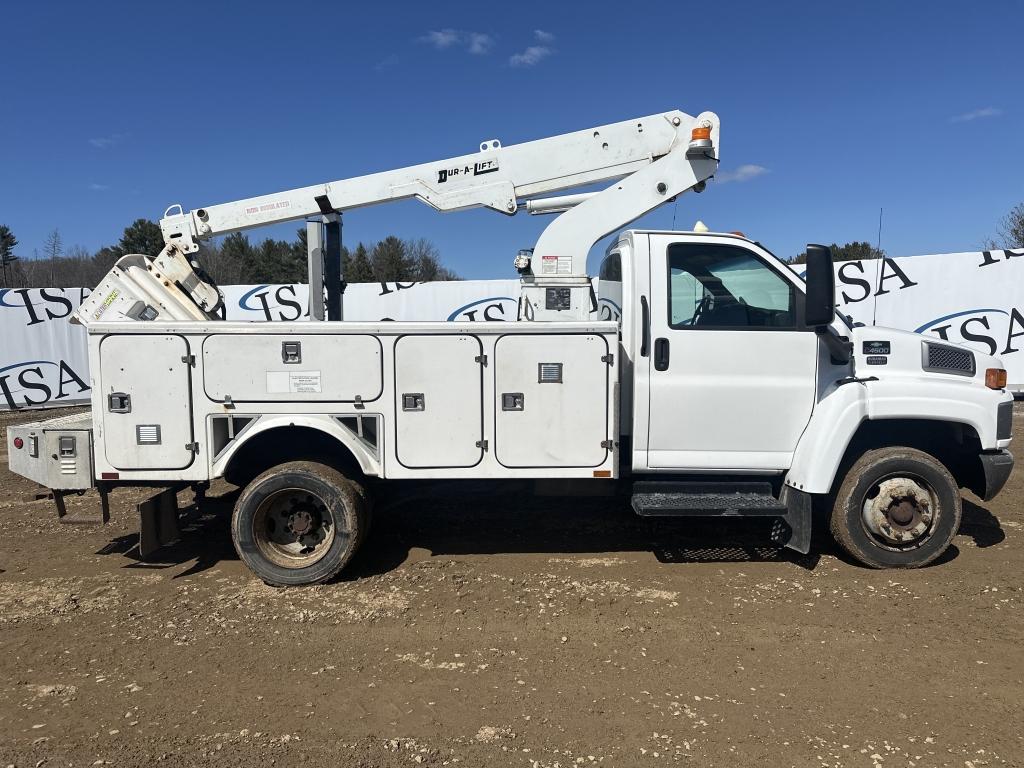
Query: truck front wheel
{"x": 896, "y": 508}
{"x": 298, "y": 523}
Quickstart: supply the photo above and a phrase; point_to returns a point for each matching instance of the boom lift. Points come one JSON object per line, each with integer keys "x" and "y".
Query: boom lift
{"x": 730, "y": 387}
{"x": 654, "y": 158}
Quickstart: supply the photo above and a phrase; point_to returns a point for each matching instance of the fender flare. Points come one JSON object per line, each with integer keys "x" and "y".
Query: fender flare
{"x": 833, "y": 423}
{"x": 838, "y": 416}
{"x": 368, "y": 462}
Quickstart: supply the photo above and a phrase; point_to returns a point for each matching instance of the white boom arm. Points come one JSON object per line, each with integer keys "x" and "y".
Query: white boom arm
{"x": 662, "y": 156}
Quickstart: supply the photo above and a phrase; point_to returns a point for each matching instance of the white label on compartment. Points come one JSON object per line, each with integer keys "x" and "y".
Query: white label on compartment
{"x": 293, "y": 382}
{"x": 556, "y": 265}
{"x": 304, "y": 381}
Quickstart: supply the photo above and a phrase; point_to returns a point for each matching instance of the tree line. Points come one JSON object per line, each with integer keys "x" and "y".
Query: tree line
{"x": 233, "y": 260}
{"x": 1009, "y": 234}
{"x": 849, "y": 252}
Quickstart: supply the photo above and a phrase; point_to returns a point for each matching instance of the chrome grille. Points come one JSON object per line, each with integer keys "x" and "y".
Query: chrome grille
{"x": 942, "y": 359}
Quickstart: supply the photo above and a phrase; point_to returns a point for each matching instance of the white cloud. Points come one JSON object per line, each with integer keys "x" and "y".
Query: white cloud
{"x": 442, "y": 38}
{"x": 99, "y": 187}
{"x": 743, "y": 173}
{"x": 534, "y": 54}
{"x": 530, "y": 57}
{"x": 478, "y": 43}
{"x": 106, "y": 142}
{"x": 966, "y": 117}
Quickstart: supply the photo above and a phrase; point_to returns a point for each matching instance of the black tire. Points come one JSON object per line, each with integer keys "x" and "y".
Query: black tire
{"x": 298, "y": 523}
{"x": 910, "y": 519}
{"x": 367, "y": 511}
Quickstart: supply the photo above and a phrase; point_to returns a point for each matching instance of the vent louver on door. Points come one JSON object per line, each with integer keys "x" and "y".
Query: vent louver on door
{"x": 549, "y": 373}
{"x": 147, "y": 434}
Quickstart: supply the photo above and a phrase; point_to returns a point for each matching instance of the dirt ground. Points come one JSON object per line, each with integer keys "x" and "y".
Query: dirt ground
{"x": 506, "y": 630}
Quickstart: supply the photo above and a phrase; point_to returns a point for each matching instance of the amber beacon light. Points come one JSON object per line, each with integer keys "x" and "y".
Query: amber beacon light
{"x": 700, "y": 142}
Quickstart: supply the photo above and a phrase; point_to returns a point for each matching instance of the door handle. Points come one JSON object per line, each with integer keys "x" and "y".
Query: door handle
{"x": 645, "y": 326}
{"x": 661, "y": 354}
{"x": 413, "y": 401}
{"x": 119, "y": 402}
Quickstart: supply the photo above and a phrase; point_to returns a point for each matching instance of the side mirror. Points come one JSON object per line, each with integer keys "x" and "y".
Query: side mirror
{"x": 820, "y": 309}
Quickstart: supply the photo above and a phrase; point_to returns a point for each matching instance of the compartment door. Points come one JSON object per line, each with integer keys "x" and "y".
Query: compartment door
{"x": 295, "y": 367}
{"x": 147, "y": 402}
{"x": 551, "y": 406}
{"x": 438, "y": 401}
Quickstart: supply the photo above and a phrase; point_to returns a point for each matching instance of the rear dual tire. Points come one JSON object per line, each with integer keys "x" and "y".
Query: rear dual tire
{"x": 299, "y": 523}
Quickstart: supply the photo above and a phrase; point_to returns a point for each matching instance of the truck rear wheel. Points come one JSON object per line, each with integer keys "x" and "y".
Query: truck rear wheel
{"x": 897, "y": 508}
{"x": 299, "y": 523}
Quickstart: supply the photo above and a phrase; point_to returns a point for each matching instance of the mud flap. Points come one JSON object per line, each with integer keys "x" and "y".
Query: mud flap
{"x": 793, "y": 529}
{"x": 158, "y": 522}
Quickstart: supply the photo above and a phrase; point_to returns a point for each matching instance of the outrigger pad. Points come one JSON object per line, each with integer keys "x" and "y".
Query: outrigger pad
{"x": 159, "y": 522}
{"x": 62, "y": 510}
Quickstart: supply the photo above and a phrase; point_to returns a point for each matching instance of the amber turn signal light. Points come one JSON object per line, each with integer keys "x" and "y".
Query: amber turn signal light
{"x": 995, "y": 378}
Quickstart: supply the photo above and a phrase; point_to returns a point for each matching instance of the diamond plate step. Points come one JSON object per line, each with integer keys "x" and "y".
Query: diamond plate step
{"x": 681, "y": 499}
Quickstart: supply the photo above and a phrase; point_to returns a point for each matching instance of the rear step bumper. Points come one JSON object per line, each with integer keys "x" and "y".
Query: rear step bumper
{"x": 652, "y": 498}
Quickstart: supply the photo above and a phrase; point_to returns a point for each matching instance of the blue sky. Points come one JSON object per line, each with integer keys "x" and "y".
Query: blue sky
{"x": 113, "y": 111}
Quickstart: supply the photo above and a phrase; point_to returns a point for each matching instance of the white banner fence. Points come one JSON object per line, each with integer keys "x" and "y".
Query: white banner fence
{"x": 972, "y": 298}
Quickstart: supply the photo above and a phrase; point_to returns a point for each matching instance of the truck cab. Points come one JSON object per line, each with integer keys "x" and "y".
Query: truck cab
{"x": 726, "y": 376}
{"x": 722, "y": 365}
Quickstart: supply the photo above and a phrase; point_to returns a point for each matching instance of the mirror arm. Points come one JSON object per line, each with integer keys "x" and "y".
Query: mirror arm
{"x": 840, "y": 349}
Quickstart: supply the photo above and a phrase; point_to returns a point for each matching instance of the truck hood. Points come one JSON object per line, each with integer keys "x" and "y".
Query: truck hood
{"x": 883, "y": 352}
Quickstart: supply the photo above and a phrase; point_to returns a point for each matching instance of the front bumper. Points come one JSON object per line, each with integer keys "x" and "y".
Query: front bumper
{"x": 996, "y": 467}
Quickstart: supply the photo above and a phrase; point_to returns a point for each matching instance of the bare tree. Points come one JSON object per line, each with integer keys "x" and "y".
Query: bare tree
{"x": 53, "y": 248}
{"x": 426, "y": 261}
{"x": 223, "y": 264}
{"x": 77, "y": 269}
{"x": 1010, "y": 231}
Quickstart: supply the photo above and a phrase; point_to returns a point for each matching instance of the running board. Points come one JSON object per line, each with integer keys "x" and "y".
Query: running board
{"x": 673, "y": 499}
{"x": 792, "y": 512}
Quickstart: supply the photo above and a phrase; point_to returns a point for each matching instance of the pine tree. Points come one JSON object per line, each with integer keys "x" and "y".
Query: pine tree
{"x": 359, "y": 269}
{"x": 7, "y": 258}
{"x": 391, "y": 262}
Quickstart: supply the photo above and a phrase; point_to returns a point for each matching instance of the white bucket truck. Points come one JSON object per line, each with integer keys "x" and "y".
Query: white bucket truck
{"x": 729, "y": 387}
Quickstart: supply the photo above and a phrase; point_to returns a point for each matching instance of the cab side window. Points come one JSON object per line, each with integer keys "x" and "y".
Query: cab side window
{"x": 611, "y": 268}
{"x": 726, "y": 287}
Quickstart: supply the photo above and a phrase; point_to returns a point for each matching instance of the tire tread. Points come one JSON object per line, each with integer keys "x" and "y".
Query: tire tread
{"x": 839, "y": 519}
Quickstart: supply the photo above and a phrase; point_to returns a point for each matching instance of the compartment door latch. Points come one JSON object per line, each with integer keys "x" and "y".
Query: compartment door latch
{"x": 119, "y": 402}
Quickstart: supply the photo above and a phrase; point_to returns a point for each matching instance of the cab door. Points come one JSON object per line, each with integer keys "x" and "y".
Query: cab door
{"x": 730, "y": 368}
